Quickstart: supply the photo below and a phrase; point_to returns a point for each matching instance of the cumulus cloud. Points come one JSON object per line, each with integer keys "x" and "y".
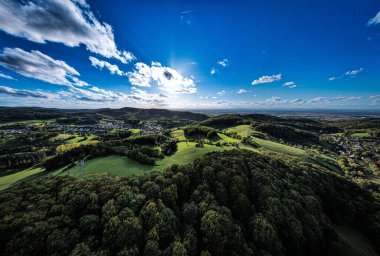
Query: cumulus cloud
{"x": 375, "y": 20}
{"x": 39, "y": 66}
{"x": 6, "y": 76}
{"x": 71, "y": 23}
{"x": 221, "y": 93}
{"x": 267, "y": 79}
{"x": 24, "y": 93}
{"x": 224, "y": 63}
{"x": 141, "y": 76}
{"x": 213, "y": 71}
{"x": 290, "y": 84}
{"x": 242, "y": 91}
{"x": 166, "y": 78}
{"x": 104, "y": 64}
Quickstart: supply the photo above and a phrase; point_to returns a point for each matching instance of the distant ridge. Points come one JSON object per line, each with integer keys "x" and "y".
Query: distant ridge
{"x": 34, "y": 113}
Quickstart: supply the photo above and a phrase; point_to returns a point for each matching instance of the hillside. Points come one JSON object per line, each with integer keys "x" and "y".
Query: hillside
{"x": 231, "y": 203}
{"x": 11, "y": 114}
{"x": 145, "y": 114}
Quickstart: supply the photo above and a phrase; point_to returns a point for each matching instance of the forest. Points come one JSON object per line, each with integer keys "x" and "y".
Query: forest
{"x": 227, "y": 203}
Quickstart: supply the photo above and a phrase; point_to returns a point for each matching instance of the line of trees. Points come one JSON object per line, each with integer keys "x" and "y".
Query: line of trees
{"x": 21, "y": 160}
{"x": 286, "y": 133}
{"x": 200, "y": 130}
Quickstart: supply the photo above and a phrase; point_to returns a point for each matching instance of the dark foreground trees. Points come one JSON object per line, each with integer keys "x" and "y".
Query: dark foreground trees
{"x": 230, "y": 203}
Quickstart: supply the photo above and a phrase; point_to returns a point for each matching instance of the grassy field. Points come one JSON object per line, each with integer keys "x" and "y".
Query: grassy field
{"x": 225, "y": 138}
{"x": 114, "y": 165}
{"x": 123, "y": 166}
{"x": 187, "y": 153}
{"x": 8, "y": 180}
{"x": 242, "y": 130}
{"x": 178, "y": 134}
{"x": 279, "y": 148}
{"x": 134, "y": 131}
{"x": 64, "y": 138}
{"x": 360, "y": 134}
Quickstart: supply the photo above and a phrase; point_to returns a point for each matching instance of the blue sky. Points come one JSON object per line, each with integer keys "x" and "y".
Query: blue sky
{"x": 190, "y": 54}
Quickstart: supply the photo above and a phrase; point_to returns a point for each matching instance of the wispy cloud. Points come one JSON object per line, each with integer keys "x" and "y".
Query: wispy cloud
{"x": 166, "y": 78}
{"x": 71, "y": 23}
{"x": 353, "y": 72}
{"x": 348, "y": 74}
{"x": 223, "y": 102}
{"x": 94, "y": 95}
{"x": 375, "y": 20}
{"x": 25, "y": 93}
{"x": 39, "y": 66}
{"x": 6, "y": 77}
{"x": 375, "y": 98}
{"x": 221, "y": 93}
{"x": 267, "y": 79}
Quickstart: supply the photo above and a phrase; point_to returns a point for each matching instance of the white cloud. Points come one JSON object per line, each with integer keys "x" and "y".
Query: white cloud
{"x": 223, "y": 102}
{"x": 149, "y": 98}
{"x": 61, "y": 21}
{"x": 375, "y": 98}
{"x": 375, "y": 20}
{"x": 136, "y": 97}
{"x": 78, "y": 82}
{"x": 141, "y": 76}
{"x": 39, "y": 66}
{"x": 242, "y": 91}
{"x": 353, "y": 72}
{"x": 6, "y": 77}
{"x": 104, "y": 64}
{"x": 213, "y": 71}
{"x": 221, "y": 93}
{"x": 290, "y": 84}
{"x": 224, "y": 63}
{"x": 166, "y": 78}
{"x": 267, "y": 79}
{"x": 344, "y": 98}
{"x": 350, "y": 74}
{"x": 24, "y": 93}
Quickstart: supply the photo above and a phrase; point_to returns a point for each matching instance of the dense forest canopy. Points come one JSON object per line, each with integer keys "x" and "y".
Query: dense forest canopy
{"x": 228, "y": 203}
